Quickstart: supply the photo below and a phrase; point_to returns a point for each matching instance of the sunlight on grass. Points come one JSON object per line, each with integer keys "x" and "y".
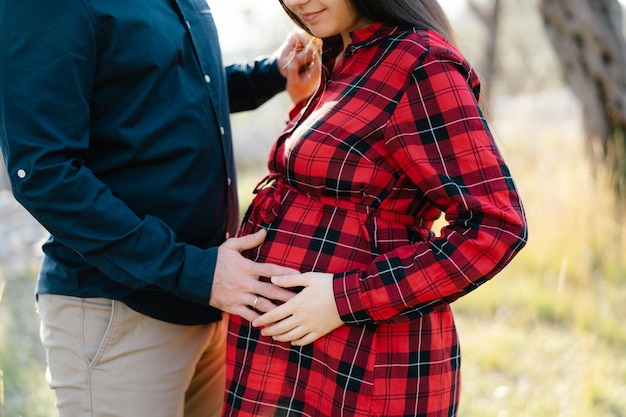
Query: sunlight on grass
{"x": 541, "y": 370}
{"x": 545, "y": 337}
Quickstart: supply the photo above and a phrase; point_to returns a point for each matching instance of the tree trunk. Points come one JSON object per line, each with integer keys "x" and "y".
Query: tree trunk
{"x": 588, "y": 39}
{"x": 490, "y": 17}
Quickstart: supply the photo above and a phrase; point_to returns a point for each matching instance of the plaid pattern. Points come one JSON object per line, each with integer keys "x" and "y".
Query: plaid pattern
{"x": 392, "y": 138}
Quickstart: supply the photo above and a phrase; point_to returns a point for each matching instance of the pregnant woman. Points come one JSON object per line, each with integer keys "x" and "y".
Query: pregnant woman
{"x": 393, "y": 138}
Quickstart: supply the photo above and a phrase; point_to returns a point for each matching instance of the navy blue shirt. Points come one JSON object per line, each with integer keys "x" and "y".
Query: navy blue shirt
{"x": 114, "y": 126}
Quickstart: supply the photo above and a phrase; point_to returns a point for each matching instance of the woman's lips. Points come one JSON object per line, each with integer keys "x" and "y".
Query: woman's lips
{"x": 310, "y": 17}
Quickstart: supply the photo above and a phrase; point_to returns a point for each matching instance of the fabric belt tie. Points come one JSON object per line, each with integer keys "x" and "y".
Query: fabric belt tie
{"x": 272, "y": 190}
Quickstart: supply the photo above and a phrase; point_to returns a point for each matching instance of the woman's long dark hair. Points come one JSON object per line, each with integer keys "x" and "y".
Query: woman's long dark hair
{"x": 426, "y": 14}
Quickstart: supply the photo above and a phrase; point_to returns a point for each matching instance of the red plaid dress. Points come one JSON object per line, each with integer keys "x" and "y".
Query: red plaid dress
{"x": 393, "y": 137}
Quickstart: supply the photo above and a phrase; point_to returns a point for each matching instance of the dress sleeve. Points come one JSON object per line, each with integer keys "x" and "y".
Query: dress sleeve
{"x": 440, "y": 140}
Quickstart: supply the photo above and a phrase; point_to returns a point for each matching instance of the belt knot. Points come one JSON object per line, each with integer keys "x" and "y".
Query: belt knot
{"x": 269, "y": 192}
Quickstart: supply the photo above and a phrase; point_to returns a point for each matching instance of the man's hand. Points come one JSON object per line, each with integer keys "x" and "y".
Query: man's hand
{"x": 311, "y": 314}
{"x": 236, "y": 285}
{"x": 299, "y": 61}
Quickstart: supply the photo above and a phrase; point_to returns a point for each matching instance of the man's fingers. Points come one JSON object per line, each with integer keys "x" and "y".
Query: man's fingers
{"x": 262, "y": 304}
{"x": 250, "y": 241}
{"x": 237, "y": 287}
{"x": 246, "y": 313}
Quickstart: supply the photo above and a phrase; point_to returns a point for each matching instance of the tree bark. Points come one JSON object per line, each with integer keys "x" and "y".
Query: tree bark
{"x": 588, "y": 39}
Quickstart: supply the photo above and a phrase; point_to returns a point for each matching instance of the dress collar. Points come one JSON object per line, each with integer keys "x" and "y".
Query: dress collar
{"x": 369, "y": 35}
{"x": 366, "y": 36}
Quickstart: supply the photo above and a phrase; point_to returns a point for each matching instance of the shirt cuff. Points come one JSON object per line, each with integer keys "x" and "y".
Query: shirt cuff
{"x": 196, "y": 278}
{"x": 347, "y": 288}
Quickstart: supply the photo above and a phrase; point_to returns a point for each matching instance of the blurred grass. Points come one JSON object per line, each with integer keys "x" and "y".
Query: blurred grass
{"x": 22, "y": 361}
{"x": 546, "y": 337}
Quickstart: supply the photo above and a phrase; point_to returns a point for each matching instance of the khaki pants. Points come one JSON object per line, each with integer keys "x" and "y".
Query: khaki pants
{"x": 105, "y": 359}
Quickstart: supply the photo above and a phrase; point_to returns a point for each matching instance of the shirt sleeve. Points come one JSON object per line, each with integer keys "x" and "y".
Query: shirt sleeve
{"x": 47, "y": 70}
{"x": 441, "y": 141}
{"x": 252, "y": 84}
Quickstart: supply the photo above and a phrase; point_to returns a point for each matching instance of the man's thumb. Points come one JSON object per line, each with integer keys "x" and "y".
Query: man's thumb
{"x": 248, "y": 241}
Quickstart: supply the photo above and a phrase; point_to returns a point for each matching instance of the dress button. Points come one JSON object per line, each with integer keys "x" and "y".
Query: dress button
{"x": 207, "y": 78}
{"x": 21, "y": 173}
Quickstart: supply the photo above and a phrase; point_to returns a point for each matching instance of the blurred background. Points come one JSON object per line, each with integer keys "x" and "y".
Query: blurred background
{"x": 545, "y": 338}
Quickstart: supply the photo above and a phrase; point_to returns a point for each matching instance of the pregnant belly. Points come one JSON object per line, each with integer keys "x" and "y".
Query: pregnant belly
{"x": 308, "y": 235}
{"x": 324, "y": 234}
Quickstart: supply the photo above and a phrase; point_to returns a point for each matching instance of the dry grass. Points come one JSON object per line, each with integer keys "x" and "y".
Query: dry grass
{"x": 545, "y": 338}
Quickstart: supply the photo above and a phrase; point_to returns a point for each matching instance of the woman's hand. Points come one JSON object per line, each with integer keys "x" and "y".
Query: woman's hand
{"x": 299, "y": 61}
{"x": 309, "y": 315}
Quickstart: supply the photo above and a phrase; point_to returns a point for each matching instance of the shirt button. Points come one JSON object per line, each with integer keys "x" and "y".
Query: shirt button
{"x": 222, "y": 131}
{"x": 207, "y": 78}
{"x": 188, "y": 24}
{"x": 230, "y": 182}
{"x": 21, "y": 173}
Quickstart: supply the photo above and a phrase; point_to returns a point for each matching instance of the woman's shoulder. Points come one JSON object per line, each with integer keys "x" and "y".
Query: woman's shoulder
{"x": 423, "y": 42}
{"x": 393, "y": 40}
{"x": 423, "y": 47}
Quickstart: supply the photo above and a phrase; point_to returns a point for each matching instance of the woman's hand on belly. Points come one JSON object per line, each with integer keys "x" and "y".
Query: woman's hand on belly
{"x": 309, "y": 315}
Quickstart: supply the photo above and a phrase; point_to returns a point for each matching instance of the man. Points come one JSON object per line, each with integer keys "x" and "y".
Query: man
{"x": 114, "y": 126}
